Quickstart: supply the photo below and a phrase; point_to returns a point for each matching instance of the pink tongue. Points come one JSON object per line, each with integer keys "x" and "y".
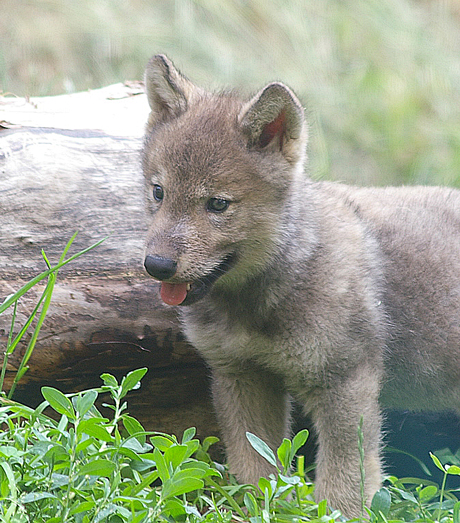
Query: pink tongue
{"x": 173, "y": 293}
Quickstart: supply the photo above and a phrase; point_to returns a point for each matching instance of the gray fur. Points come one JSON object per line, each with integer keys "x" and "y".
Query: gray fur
{"x": 342, "y": 297}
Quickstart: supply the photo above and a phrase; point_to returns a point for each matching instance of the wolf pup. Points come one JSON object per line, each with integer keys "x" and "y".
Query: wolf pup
{"x": 342, "y": 297}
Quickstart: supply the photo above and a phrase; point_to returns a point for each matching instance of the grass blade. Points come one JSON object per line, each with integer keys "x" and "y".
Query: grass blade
{"x": 14, "y": 297}
{"x": 8, "y": 350}
{"x": 44, "y": 302}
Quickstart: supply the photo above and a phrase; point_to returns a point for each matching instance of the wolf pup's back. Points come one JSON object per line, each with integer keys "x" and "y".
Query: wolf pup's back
{"x": 341, "y": 297}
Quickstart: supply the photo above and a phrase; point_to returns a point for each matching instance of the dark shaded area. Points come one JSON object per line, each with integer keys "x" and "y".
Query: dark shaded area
{"x": 419, "y": 434}
{"x": 412, "y": 433}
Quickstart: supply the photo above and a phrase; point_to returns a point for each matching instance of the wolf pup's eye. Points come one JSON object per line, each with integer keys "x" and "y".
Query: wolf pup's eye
{"x": 158, "y": 193}
{"x": 217, "y": 205}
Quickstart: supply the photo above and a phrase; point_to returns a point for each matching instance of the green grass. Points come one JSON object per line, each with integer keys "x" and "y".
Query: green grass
{"x": 381, "y": 80}
{"x": 38, "y": 312}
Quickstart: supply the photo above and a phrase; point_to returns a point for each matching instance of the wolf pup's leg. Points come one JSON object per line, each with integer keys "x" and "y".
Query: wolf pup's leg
{"x": 255, "y": 402}
{"x": 337, "y": 414}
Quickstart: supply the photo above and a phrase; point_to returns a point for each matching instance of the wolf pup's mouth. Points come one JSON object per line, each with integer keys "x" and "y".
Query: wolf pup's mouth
{"x": 190, "y": 292}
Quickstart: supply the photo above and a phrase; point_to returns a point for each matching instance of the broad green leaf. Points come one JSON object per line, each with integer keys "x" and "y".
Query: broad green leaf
{"x": 140, "y": 517}
{"x": 195, "y": 465}
{"x": 428, "y": 493}
{"x": 57, "y": 453}
{"x": 85, "y": 402}
{"x": 284, "y": 454}
{"x": 162, "y": 468}
{"x": 456, "y": 512}
{"x": 192, "y": 447}
{"x": 208, "y": 471}
{"x": 180, "y": 485}
{"x": 161, "y": 442}
{"x": 59, "y": 402}
{"x": 262, "y": 448}
{"x": 290, "y": 480}
{"x": 83, "y": 507}
{"x": 196, "y": 472}
{"x": 213, "y": 472}
{"x": 134, "y": 427}
{"x": 109, "y": 380}
{"x": 93, "y": 428}
{"x": 131, "y": 380}
{"x": 188, "y": 434}
{"x": 98, "y": 467}
{"x": 124, "y": 451}
{"x": 84, "y": 444}
{"x": 6, "y": 451}
{"x": 41, "y": 446}
{"x": 135, "y": 445}
{"x": 175, "y": 455}
{"x": 298, "y": 441}
{"x": 407, "y": 495}
{"x": 265, "y": 485}
{"x": 210, "y": 440}
{"x": 59, "y": 480}
{"x": 175, "y": 509}
{"x": 437, "y": 462}
{"x": 251, "y": 504}
{"x": 381, "y": 502}
{"x": 453, "y": 469}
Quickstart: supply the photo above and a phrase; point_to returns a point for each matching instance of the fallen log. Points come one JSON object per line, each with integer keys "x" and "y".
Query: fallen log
{"x": 71, "y": 163}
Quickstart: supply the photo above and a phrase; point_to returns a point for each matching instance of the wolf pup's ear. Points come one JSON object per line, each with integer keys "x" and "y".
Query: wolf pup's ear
{"x": 168, "y": 91}
{"x": 274, "y": 119}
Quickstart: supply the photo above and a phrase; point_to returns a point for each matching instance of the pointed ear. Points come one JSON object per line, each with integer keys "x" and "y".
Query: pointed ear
{"x": 168, "y": 91}
{"x": 274, "y": 120}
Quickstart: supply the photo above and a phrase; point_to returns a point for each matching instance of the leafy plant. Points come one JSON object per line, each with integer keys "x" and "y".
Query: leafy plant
{"x": 88, "y": 467}
{"x": 402, "y": 500}
{"x": 285, "y": 496}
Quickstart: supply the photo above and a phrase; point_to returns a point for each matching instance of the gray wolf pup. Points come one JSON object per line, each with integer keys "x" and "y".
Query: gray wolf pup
{"x": 345, "y": 298}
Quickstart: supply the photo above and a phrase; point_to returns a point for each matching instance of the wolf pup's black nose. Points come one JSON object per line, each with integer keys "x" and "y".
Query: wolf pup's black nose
{"x": 160, "y": 268}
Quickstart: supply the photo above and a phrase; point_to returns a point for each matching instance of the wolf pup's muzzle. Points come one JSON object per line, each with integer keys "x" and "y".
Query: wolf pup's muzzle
{"x": 184, "y": 293}
{"x": 164, "y": 269}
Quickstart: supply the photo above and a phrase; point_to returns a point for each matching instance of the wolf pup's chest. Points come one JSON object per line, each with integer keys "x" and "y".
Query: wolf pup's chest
{"x": 223, "y": 339}
{"x": 292, "y": 352}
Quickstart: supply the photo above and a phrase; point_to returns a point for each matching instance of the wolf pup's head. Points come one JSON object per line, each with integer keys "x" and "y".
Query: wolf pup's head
{"x": 219, "y": 173}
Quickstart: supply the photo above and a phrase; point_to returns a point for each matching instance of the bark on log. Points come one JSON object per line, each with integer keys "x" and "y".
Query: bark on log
{"x": 72, "y": 163}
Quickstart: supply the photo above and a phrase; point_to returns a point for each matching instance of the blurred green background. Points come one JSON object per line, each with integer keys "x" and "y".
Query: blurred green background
{"x": 380, "y": 78}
